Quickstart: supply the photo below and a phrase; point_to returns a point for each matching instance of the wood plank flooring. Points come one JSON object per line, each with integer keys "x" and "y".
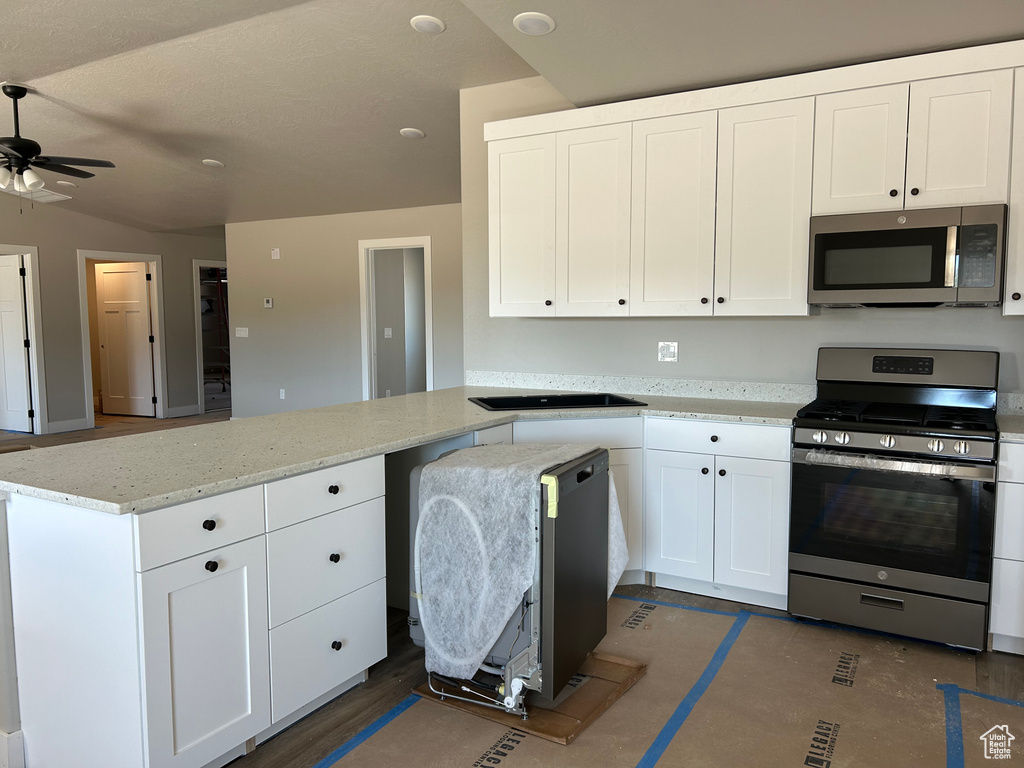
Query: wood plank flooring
{"x": 109, "y": 426}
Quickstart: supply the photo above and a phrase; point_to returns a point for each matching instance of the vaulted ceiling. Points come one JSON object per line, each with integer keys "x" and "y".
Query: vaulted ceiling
{"x": 303, "y": 101}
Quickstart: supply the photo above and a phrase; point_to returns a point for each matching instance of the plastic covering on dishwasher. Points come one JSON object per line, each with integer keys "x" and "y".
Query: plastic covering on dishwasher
{"x": 474, "y": 547}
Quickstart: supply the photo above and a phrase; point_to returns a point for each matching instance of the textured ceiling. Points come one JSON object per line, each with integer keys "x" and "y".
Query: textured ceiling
{"x": 609, "y": 50}
{"x": 302, "y": 102}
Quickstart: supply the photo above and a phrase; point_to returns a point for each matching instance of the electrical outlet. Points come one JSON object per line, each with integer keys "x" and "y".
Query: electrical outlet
{"x": 242, "y": 333}
{"x": 282, "y": 394}
{"x": 387, "y": 393}
{"x": 668, "y": 351}
{"x": 268, "y": 303}
{"x": 387, "y": 333}
{"x": 275, "y": 253}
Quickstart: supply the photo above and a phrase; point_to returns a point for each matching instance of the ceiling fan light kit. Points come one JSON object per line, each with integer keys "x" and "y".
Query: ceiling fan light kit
{"x": 19, "y": 157}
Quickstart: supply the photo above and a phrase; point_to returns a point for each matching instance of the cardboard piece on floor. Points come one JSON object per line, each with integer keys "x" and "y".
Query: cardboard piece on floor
{"x": 600, "y": 681}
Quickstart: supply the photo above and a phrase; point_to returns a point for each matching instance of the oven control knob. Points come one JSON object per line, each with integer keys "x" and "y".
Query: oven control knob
{"x": 936, "y": 446}
{"x": 819, "y": 436}
{"x": 962, "y": 447}
{"x": 887, "y": 441}
{"x": 842, "y": 438}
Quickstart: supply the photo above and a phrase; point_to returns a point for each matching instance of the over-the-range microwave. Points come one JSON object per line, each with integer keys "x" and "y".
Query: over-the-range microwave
{"x": 928, "y": 257}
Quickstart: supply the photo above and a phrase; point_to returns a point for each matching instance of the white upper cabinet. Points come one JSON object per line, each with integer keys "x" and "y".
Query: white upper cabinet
{"x": 860, "y": 150}
{"x": 958, "y": 140}
{"x": 672, "y": 258}
{"x": 764, "y": 205}
{"x": 924, "y": 145}
{"x": 592, "y": 209}
{"x": 1013, "y": 297}
{"x": 521, "y": 226}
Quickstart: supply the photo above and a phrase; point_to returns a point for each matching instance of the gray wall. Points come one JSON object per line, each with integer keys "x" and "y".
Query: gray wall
{"x": 389, "y": 297}
{"x": 58, "y": 234}
{"x": 733, "y": 349}
{"x": 415, "y": 326}
{"x": 309, "y": 343}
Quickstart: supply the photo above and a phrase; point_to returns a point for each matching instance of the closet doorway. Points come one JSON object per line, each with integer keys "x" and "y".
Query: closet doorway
{"x": 213, "y": 348}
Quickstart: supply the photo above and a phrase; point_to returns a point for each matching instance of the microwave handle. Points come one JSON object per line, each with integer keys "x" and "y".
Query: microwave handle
{"x": 952, "y": 260}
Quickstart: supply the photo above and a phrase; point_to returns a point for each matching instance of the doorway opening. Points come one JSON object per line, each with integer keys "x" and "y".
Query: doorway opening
{"x": 121, "y": 334}
{"x": 22, "y": 399}
{"x": 210, "y": 288}
{"x": 397, "y": 331}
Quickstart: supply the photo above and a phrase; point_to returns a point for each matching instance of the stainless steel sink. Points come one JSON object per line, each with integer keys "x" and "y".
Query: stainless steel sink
{"x": 540, "y": 402}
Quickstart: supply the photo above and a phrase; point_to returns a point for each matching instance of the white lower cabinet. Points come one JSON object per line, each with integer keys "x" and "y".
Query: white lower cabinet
{"x": 1006, "y": 607}
{"x": 680, "y": 514}
{"x": 205, "y": 649}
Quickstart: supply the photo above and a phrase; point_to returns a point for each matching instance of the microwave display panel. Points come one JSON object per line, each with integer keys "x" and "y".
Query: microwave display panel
{"x": 910, "y": 258}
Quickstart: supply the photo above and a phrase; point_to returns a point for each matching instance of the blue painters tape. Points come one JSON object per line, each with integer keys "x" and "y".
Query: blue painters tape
{"x": 734, "y": 614}
{"x": 990, "y": 697}
{"x": 367, "y": 732}
{"x": 954, "y": 727}
{"x": 668, "y": 732}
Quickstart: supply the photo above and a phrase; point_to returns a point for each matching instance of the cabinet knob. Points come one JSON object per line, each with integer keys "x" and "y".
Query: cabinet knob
{"x": 915, "y": 191}
{"x": 704, "y": 471}
{"x": 335, "y": 557}
{"x": 893, "y": 192}
{"x": 211, "y": 565}
{"x": 1016, "y": 297}
{"x": 720, "y": 299}
{"x": 714, "y": 438}
{"x": 621, "y": 302}
{"x": 209, "y": 524}
{"x": 704, "y": 300}
{"x": 336, "y": 645}
{"x": 333, "y": 489}
{"x": 547, "y": 303}
{"x": 721, "y": 473}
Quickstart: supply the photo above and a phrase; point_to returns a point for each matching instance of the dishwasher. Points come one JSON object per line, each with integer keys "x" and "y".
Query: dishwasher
{"x": 562, "y": 614}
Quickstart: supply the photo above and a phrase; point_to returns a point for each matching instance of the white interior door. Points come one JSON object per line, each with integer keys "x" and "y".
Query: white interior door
{"x": 14, "y": 375}
{"x": 126, "y": 353}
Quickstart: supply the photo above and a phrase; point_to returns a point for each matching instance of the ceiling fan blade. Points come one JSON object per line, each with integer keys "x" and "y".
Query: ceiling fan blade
{"x": 65, "y": 169}
{"x": 5, "y": 150}
{"x": 84, "y": 161}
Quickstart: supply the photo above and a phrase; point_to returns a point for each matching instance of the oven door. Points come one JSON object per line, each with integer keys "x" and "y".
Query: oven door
{"x": 907, "y": 523}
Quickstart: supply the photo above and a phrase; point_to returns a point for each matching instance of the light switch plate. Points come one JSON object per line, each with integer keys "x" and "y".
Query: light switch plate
{"x": 668, "y": 351}
{"x": 275, "y": 253}
{"x": 268, "y": 303}
{"x": 242, "y": 332}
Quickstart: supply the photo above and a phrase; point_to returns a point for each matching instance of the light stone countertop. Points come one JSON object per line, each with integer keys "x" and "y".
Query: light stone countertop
{"x": 137, "y": 473}
{"x": 1011, "y": 427}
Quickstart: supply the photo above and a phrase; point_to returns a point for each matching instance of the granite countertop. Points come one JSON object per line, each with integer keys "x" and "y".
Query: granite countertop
{"x": 136, "y": 473}
{"x": 1011, "y": 427}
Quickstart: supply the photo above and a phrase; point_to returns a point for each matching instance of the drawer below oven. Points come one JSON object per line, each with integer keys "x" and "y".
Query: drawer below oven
{"x": 889, "y": 610}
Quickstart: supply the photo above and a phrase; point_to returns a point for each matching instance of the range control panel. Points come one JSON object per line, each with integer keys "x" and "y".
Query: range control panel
{"x": 918, "y": 366}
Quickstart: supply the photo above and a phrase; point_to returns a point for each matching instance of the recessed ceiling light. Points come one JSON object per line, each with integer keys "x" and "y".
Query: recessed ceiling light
{"x": 412, "y": 133}
{"x": 67, "y": 183}
{"x": 428, "y": 25}
{"x": 213, "y": 163}
{"x": 533, "y": 23}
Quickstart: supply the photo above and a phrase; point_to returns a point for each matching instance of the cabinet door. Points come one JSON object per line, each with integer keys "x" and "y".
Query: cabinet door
{"x": 860, "y": 150}
{"x": 672, "y": 258}
{"x": 1013, "y": 298}
{"x": 592, "y": 208}
{"x": 1007, "y": 611}
{"x": 679, "y": 490}
{"x": 206, "y": 654}
{"x": 521, "y": 226}
{"x": 764, "y": 206}
{"x": 752, "y": 523}
{"x": 958, "y": 140}
{"x": 626, "y": 465}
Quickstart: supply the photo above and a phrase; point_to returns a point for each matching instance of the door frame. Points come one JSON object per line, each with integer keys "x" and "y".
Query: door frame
{"x": 367, "y": 325}
{"x": 198, "y": 264}
{"x": 33, "y": 307}
{"x": 156, "y": 316}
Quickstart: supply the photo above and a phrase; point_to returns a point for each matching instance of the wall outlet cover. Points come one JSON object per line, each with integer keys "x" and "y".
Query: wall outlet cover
{"x": 387, "y": 333}
{"x": 268, "y": 303}
{"x": 668, "y": 351}
{"x": 275, "y": 253}
{"x": 282, "y": 394}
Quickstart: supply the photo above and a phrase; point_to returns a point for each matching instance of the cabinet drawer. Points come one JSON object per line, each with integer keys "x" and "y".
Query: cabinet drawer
{"x": 302, "y": 497}
{"x": 625, "y": 432}
{"x": 750, "y": 441}
{"x": 303, "y": 661}
{"x": 173, "y": 533}
{"x": 1009, "y": 539}
{"x": 1011, "y": 462}
{"x": 303, "y": 575}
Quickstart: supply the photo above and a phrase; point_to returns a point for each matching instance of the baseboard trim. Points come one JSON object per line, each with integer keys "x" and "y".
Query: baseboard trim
{"x": 12, "y": 750}
{"x": 181, "y": 410}
{"x": 721, "y": 591}
{"x": 72, "y": 425}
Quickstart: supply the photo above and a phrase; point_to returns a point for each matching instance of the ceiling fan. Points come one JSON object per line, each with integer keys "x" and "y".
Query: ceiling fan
{"x": 19, "y": 156}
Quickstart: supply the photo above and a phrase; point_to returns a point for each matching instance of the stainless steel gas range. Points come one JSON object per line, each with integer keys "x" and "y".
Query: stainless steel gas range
{"x": 893, "y": 493}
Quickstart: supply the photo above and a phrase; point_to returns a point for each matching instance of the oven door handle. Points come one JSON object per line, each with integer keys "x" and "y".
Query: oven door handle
{"x": 817, "y": 457}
